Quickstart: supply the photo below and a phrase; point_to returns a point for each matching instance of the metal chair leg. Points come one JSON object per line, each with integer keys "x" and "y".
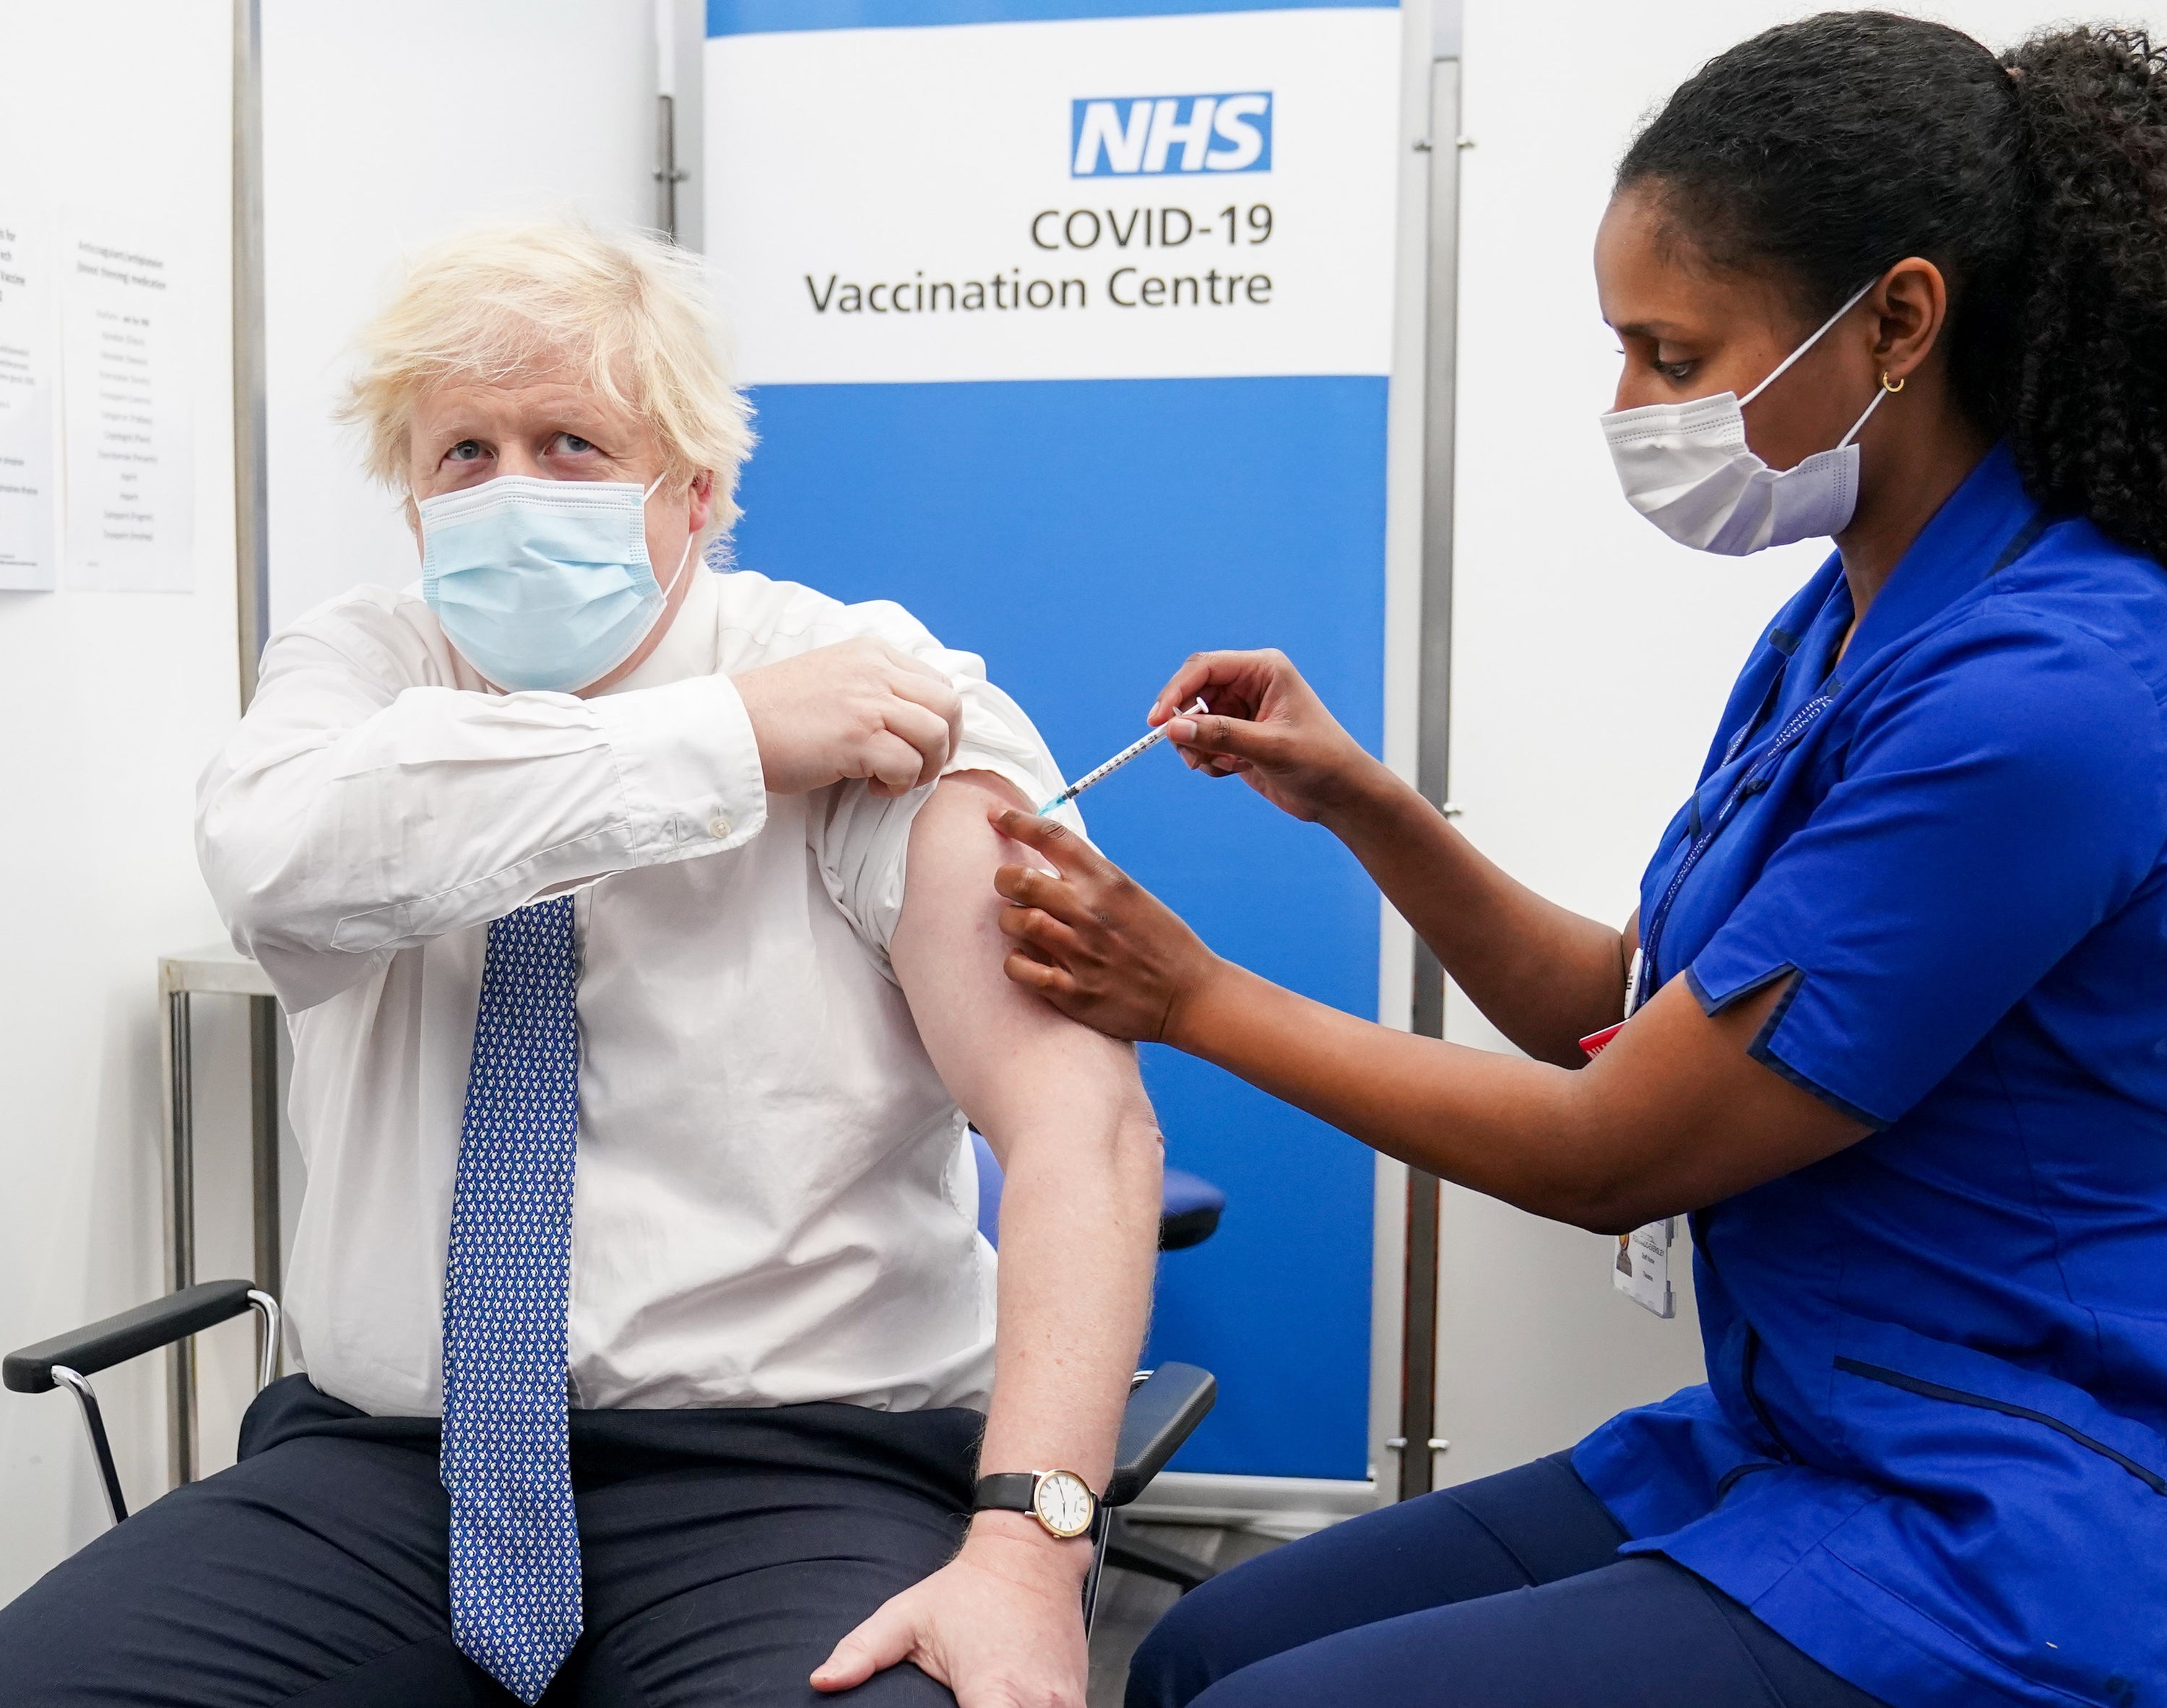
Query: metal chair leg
{"x": 267, "y": 1310}
{"x": 1098, "y": 1567}
{"x": 1131, "y": 1552}
{"x": 94, "y": 1422}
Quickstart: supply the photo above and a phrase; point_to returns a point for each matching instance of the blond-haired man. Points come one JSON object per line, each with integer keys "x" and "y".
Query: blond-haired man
{"x": 634, "y": 925}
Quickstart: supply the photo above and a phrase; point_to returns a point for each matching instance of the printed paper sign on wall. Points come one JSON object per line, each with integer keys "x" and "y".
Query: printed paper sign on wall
{"x": 30, "y": 508}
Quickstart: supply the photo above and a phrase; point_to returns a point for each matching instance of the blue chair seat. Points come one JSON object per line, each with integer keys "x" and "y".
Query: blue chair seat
{"x": 1188, "y": 1212}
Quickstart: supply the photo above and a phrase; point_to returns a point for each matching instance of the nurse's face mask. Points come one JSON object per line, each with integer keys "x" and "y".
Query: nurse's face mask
{"x": 1687, "y": 469}
{"x": 543, "y": 584}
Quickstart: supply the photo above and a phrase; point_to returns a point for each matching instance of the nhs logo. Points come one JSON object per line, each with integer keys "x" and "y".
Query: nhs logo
{"x": 1145, "y": 134}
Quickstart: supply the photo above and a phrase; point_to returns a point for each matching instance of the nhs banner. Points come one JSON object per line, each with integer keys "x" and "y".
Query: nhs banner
{"x": 1172, "y": 133}
{"x": 1187, "y": 193}
{"x": 1069, "y": 326}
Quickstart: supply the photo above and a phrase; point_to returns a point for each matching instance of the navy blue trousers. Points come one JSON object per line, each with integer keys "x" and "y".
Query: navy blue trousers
{"x": 1505, "y": 1593}
{"x": 723, "y": 1554}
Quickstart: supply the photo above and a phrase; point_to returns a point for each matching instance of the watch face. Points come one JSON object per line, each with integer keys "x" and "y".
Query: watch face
{"x": 1062, "y": 1504}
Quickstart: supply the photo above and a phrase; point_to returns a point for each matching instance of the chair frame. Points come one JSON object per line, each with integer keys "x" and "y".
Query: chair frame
{"x": 1165, "y": 1407}
{"x": 70, "y": 1361}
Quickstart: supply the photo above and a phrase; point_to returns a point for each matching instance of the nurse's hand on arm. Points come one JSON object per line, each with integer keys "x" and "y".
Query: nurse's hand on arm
{"x": 1545, "y": 975}
{"x": 1675, "y": 1114}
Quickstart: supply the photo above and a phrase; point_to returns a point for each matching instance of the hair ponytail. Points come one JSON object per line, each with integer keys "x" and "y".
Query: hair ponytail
{"x": 1831, "y": 148}
{"x": 2088, "y": 416}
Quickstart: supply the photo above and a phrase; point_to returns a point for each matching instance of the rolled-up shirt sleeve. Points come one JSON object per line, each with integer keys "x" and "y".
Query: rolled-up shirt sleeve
{"x": 360, "y": 808}
{"x": 2001, "y": 797}
{"x": 861, "y": 840}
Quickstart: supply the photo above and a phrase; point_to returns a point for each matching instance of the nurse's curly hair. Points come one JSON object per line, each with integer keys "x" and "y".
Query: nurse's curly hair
{"x": 1831, "y": 148}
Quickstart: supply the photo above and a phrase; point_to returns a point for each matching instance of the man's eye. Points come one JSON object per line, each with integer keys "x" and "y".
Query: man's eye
{"x": 466, "y": 451}
{"x": 1674, "y": 372}
{"x": 572, "y": 445}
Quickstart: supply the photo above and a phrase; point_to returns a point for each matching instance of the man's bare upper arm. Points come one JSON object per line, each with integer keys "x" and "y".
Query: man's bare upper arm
{"x": 1008, "y": 1059}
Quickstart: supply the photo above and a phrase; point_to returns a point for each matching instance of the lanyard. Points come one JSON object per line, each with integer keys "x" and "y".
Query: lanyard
{"x": 1757, "y": 776}
{"x": 1644, "y": 977}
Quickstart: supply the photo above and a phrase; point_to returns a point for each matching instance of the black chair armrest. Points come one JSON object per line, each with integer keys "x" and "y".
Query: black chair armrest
{"x": 130, "y": 1334}
{"x": 1163, "y": 1411}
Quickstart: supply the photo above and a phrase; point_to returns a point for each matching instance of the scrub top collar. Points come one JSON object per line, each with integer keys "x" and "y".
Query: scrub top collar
{"x": 1986, "y": 522}
{"x": 1975, "y": 525}
{"x": 1980, "y": 522}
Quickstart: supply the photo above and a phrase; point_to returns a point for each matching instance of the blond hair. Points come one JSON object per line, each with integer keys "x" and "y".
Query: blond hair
{"x": 633, "y": 312}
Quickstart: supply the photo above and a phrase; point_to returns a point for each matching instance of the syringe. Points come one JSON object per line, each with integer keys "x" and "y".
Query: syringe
{"x": 1119, "y": 760}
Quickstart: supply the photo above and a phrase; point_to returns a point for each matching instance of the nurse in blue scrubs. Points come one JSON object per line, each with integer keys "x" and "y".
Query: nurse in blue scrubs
{"x": 1898, "y": 981}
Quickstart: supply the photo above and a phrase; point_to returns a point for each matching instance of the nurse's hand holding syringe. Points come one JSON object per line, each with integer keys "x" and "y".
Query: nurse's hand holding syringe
{"x": 1253, "y": 717}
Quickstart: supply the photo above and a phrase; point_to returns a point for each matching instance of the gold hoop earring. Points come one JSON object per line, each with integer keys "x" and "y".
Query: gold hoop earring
{"x": 1892, "y": 390}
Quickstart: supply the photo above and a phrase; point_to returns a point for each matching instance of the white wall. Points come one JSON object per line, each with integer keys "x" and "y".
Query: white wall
{"x": 1592, "y": 656}
{"x": 385, "y": 126}
{"x": 113, "y": 700}
{"x": 389, "y": 125}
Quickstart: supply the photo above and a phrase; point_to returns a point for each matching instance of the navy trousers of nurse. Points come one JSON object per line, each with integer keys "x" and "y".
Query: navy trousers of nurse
{"x": 1505, "y": 1593}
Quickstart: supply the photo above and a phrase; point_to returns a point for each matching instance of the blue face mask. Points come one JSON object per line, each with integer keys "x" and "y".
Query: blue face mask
{"x": 542, "y": 584}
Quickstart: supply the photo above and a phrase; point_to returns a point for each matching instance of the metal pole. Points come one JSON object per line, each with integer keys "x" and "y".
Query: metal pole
{"x": 1434, "y": 750}
{"x": 181, "y": 1190}
{"x": 1418, "y": 1442}
{"x": 252, "y": 513}
{"x": 667, "y": 177}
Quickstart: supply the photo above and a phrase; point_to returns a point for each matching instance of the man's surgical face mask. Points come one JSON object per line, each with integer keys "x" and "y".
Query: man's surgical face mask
{"x": 543, "y": 584}
{"x": 1687, "y": 469}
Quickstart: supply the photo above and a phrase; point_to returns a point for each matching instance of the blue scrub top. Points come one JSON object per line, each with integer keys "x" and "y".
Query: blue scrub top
{"x": 1933, "y": 1449}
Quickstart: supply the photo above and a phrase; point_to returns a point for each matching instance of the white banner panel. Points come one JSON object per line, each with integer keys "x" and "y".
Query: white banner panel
{"x": 1080, "y": 198}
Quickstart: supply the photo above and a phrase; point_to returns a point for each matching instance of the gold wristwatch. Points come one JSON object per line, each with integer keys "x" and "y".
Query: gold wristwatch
{"x": 1061, "y": 1501}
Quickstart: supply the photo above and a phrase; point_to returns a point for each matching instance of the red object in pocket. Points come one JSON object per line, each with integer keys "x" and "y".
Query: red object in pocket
{"x": 1591, "y": 1046}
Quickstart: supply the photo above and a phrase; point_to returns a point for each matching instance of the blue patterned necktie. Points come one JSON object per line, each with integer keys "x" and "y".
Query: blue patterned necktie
{"x": 507, "y": 1463}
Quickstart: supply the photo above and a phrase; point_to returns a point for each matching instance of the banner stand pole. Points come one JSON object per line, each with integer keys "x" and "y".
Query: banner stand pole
{"x": 1418, "y": 1442}
{"x": 251, "y": 523}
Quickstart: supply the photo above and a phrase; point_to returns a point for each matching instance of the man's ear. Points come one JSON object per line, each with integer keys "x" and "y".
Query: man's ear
{"x": 702, "y": 496}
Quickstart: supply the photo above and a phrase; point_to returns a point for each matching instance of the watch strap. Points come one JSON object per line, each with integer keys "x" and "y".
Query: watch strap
{"x": 1005, "y": 1491}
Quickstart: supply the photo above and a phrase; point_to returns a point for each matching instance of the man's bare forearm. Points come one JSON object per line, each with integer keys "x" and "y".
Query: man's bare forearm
{"x": 1079, "y": 1230}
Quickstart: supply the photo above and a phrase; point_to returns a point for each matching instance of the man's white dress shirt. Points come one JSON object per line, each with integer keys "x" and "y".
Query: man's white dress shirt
{"x": 774, "y": 1202}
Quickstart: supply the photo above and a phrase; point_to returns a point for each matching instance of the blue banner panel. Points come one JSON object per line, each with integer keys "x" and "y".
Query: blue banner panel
{"x": 1085, "y": 537}
{"x": 767, "y": 17}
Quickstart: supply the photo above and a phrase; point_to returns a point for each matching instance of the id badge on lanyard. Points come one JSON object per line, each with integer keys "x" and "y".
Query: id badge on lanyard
{"x": 1642, "y": 1270}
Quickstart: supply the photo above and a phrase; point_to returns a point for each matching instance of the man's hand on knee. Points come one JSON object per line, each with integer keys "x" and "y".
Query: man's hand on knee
{"x": 1001, "y": 1625}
